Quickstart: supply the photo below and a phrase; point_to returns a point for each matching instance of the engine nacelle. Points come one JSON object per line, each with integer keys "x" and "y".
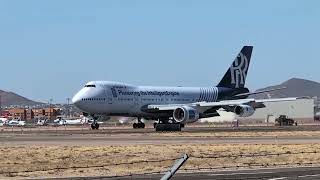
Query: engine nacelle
{"x": 185, "y": 115}
{"x": 244, "y": 110}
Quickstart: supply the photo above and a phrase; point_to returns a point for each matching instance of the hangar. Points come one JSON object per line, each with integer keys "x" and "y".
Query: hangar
{"x": 302, "y": 111}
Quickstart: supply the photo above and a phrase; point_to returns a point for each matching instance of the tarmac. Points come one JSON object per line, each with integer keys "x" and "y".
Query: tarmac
{"x": 302, "y": 173}
{"x": 128, "y": 129}
{"x": 128, "y": 136}
{"x": 133, "y": 139}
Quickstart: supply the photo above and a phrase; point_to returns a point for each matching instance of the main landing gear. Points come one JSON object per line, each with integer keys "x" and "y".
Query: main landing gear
{"x": 139, "y": 125}
{"x": 165, "y": 125}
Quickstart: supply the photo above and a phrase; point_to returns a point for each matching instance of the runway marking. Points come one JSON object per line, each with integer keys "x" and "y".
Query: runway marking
{"x": 232, "y": 174}
{"x": 279, "y": 178}
{"x": 314, "y": 175}
{"x": 265, "y": 172}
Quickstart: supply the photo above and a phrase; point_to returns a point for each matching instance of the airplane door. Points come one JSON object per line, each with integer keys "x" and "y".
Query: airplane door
{"x": 136, "y": 104}
{"x": 109, "y": 95}
{"x": 136, "y": 101}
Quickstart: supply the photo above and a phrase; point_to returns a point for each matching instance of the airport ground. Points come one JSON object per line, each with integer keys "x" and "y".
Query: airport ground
{"x": 215, "y": 152}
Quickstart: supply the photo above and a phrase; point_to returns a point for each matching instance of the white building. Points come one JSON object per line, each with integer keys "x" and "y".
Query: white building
{"x": 301, "y": 111}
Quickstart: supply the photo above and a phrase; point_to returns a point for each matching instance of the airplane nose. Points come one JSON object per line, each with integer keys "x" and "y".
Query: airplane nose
{"x": 76, "y": 100}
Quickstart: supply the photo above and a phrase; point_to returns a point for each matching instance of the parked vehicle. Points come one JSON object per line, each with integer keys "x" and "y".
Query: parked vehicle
{"x": 64, "y": 122}
{"x": 16, "y": 123}
{"x": 1, "y": 123}
{"x": 42, "y": 122}
{"x": 283, "y": 120}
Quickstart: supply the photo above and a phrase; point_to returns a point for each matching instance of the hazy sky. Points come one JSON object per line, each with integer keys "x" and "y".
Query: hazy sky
{"x": 49, "y": 49}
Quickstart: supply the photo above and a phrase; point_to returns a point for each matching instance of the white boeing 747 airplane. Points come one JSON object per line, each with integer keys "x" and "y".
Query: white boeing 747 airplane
{"x": 172, "y": 107}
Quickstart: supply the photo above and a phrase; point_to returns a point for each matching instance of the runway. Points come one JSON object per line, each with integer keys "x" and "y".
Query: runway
{"x": 133, "y": 139}
{"x": 127, "y": 136}
{"x": 128, "y": 129}
{"x": 303, "y": 173}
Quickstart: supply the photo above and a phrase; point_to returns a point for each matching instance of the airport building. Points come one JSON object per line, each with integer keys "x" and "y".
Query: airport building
{"x": 39, "y": 113}
{"x": 317, "y": 110}
{"x": 302, "y": 111}
{"x": 51, "y": 113}
{"x": 31, "y": 114}
{"x": 18, "y": 113}
{"x": 5, "y": 113}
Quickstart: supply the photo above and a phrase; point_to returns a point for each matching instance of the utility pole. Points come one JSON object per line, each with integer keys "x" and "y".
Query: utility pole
{"x": 50, "y": 115}
{"x": 68, "y": 107}
{"x": 0, "y": 107}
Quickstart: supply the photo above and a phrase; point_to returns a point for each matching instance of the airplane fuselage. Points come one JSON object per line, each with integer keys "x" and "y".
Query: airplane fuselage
{"x": 119, "y": 99}
{"x": 172, "y": 107}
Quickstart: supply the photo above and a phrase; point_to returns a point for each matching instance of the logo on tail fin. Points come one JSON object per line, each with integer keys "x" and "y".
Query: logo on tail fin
{"x": 239, "y": 70}
{"x": 236, "y": 75}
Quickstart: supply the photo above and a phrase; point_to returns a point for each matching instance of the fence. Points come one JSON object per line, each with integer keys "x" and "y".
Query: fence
{"x": 189, "y": 169}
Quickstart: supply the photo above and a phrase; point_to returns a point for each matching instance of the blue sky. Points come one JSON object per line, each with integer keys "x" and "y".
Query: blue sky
{"x": 49, "y": 49}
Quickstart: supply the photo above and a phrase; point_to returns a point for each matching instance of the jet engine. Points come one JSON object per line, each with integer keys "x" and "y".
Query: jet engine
{"x": 244, "y": 110}
{"x": 185, "y": 115}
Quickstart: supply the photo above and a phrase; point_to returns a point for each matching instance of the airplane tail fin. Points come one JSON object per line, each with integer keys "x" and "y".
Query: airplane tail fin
{"x": 237, "y": 73}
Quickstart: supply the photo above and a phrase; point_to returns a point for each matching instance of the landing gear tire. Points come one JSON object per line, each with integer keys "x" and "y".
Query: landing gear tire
{"x": 142, "y": 125}
{"x": 139, "y": 125}
{"x": 135, "y": 125}
{"x": 95, "y": 126}
{"x": 155, "y": 125}
{"x": 169, "y": 127}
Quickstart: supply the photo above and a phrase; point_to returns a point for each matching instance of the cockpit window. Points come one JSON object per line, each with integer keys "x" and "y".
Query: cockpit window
{"x": 91, "y": 85}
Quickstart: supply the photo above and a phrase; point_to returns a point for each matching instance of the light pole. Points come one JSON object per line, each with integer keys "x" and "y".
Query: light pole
{"x": 0, "y": 107}
{"x": 68, "y": 107}
{"x": 50, "y": 103}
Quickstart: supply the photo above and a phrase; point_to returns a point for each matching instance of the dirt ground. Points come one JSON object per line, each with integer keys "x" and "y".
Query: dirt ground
{"x": 120, "y": 152}
{"x": 243, "y": 134}
{"x": 29, "y": 161}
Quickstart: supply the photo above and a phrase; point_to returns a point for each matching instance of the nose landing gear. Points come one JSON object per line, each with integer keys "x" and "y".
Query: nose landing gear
{"x": 95, "y": 125}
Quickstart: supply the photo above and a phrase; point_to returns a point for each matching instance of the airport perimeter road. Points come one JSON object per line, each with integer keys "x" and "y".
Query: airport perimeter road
{"x": 134, "y": 139}
{"x": 305, "y": 173}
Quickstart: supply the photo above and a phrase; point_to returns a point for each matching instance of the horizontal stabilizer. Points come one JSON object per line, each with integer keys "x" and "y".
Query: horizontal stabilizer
{"x": 259, "y": 92}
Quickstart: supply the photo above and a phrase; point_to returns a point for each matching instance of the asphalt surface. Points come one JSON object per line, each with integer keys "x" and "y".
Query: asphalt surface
{"x": 303, "y": 173}
{"x": 128, "y": 129}
{"x": 128, "y": 136}
{"x": 129, "y": 139}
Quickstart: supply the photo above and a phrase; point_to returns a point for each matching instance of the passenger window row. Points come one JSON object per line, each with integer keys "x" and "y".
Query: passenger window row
{"x": 146, "y": 99}
{"x": 91, "y": 85}
{"x": 125, "y": 99}
{"x": 93, "y": 99}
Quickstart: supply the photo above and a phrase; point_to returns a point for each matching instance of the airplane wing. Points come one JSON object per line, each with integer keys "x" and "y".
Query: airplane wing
{"x": 202, "y": 106}
{"x": 199, "y": 104}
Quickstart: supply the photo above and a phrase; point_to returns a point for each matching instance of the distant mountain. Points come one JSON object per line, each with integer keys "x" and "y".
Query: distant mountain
{"x": 294, "y": 88}
{"x": 13, "y": 99}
